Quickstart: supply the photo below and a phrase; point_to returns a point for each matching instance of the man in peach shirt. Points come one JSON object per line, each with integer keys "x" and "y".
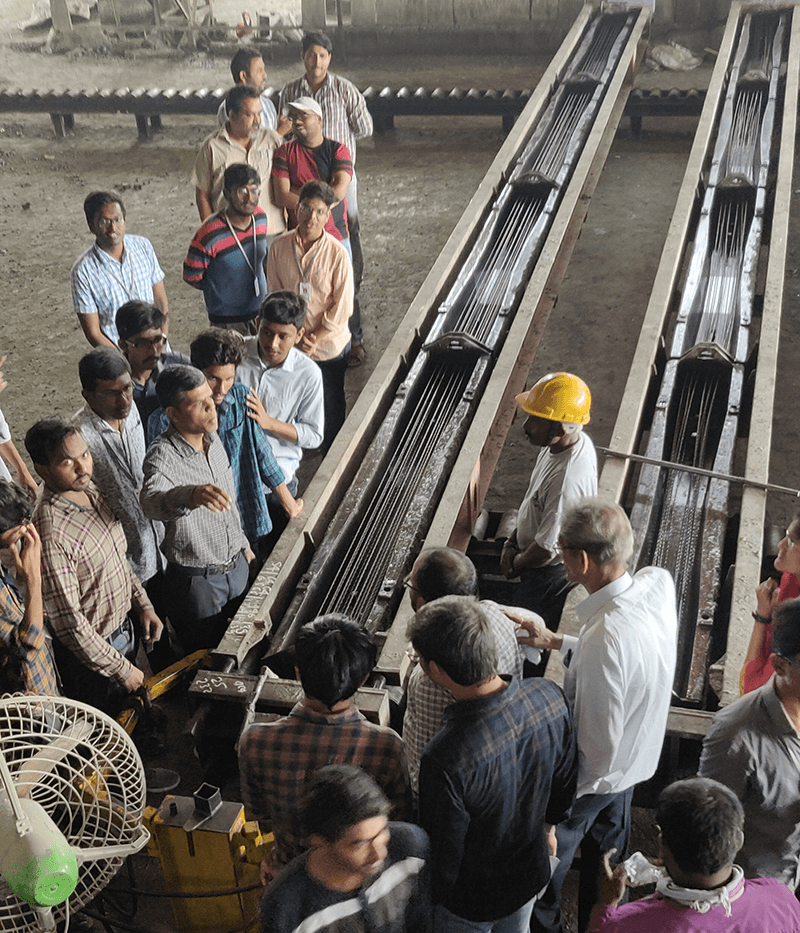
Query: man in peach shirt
{"x": 314, "y": 265}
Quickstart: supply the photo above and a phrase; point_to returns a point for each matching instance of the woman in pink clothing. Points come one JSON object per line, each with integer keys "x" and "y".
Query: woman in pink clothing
{"x": 757, "y": 668}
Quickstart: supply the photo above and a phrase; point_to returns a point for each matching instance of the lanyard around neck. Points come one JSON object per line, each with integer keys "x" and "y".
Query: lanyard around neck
{"x": 251, "y": 265}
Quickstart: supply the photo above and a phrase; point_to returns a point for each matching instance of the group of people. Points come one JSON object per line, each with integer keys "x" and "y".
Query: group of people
{"x": 162, "y": 493}
{"x": 508, "y": 775}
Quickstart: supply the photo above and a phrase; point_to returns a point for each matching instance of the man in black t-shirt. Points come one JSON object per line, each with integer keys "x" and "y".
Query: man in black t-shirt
{"x": 361, "y": 872}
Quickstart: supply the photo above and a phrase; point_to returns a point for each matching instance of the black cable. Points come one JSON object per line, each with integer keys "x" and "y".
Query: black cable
{"x": 227, "y": 892}
{"x": 129, "y": 926}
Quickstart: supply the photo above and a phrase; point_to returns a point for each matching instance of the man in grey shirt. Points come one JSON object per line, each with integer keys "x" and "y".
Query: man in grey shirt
{"x": 188, "y": 485}
{"x": 753, "y": 747}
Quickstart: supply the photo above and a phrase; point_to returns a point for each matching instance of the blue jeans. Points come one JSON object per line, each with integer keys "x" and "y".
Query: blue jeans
{"x": 446, "y": 922}
{"x": 595, "y": 823}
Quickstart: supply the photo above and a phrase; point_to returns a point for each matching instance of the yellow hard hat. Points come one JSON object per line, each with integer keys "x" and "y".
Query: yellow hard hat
{"x": 558, "y": 397}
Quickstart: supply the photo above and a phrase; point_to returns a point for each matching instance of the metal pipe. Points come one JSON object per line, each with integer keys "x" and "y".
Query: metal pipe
{"x": 711, "y": 474}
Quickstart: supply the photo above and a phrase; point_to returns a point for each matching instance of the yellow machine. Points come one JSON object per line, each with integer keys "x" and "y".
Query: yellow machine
{"x": 205, "y": 846}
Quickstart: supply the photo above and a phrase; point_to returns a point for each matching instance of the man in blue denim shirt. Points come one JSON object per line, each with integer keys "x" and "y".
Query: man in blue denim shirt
{"x": 496, "y": 779}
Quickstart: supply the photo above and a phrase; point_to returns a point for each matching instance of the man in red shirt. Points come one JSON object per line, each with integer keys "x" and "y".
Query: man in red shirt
{"x": 311, "y": 156}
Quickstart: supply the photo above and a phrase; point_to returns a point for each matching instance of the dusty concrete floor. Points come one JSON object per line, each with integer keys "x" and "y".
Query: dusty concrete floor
{"x": 415, "y": 183}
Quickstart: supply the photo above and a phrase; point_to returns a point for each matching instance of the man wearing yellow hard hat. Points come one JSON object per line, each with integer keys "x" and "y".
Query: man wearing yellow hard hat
{"x": 558, "y": 406}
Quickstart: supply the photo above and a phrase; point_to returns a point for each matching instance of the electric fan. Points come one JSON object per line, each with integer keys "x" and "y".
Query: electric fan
{"x": 72, "y": 794}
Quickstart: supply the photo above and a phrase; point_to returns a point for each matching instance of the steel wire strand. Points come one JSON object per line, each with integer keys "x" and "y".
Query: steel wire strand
{"x": 414, "y": 447}
{"x": 743, "y": 149}
{"x": 358, "y": 545}
{"x": 485, "y": 301}
{"x": 484, "y": 280}
{"x": 597, "y": 54}
{"x": 381, "y": 534}
{"x": 380, "y": 530}
{"x": 719, "y": 310}
{"x": 551, "y": 156}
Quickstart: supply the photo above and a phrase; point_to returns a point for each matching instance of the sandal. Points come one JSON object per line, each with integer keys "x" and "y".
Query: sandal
{"x": 357, "y": 355}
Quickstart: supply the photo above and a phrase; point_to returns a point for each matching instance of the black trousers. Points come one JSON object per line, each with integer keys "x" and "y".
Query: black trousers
{"x": 544, "y": 590}
{"x": 334, "y": 401}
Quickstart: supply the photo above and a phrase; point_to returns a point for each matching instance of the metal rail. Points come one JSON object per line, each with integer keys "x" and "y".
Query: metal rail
{"x": 719, "y": 232}
{"x": 149, "y": 105}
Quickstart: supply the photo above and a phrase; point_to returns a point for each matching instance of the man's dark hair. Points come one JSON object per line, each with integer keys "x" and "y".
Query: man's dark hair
{"x": 241, "y": 62}
{"x": 175, "y": 381}
{"x": 317, "y": 189}
{"x": 46, "y": 438}
{"x": 454, "y": 632}
{"x": 134, "y": 317}
{"x": 284, "y": 307}
{"x": 104, "y": 363}
{"x": 237, "y": 95}
{"x": 702, "y": 824}
{"x": 238, "y": 175}
{"x": 97, "y": 199}
{"x": 444, "y": 571}
{"x": 317, "y": 38}
{"x": 337, "y": 798}
{"x": 15, "y": 506}
{"x": 786, "y": 629}
{"x": 216, "y": 347}
{"x": 333, "y": 656}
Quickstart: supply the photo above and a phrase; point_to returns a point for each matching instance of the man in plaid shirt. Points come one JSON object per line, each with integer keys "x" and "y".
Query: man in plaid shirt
{"x": 333, "y": 658}
{"x": 88, "y": 586}
{"x": 25, "y": 662}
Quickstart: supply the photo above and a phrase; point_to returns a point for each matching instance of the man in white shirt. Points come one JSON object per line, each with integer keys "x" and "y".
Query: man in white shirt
{"x": 558, "y": 406}
{"x": 247, "y": 67}
{"x": 285, "y": 385}
{"x": 619, "y": 676}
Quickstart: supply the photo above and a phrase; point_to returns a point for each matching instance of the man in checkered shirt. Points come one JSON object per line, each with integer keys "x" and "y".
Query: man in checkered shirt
{"x": 437, "y": 572}
{"x": 333, "y": 658}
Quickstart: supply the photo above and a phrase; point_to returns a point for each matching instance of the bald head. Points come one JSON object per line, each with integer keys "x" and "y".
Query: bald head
{"x": 442, "y": 571}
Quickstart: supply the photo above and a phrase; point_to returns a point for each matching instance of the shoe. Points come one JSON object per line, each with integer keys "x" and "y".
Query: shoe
{"x": 357, "y": 355}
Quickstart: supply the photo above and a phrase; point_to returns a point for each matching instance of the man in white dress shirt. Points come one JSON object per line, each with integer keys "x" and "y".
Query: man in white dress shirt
{"x": 619, "y": 676}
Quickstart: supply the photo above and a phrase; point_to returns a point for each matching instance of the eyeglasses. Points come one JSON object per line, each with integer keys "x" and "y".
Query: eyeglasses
{"x": 319, "y": 212}
{"x": 253, "y": 190}
{"x": 151, "y": 344}
{"x": 407, "y": 584}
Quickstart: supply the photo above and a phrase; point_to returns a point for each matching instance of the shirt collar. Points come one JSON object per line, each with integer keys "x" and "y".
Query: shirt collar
{"x": 182, "y": 446}
{"x": 775, "y": 709}
{"x": 67, "y": 505}
{"x": 595, "y": 601}
{"x": 101, "y": 425}
{"x": 467, "y": 709}
{"x": 301, "y": 711}
{"x": 103, "y": 256}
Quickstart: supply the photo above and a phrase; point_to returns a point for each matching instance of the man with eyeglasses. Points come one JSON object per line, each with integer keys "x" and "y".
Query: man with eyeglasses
{"x": 226, "y": 256}
{"x": 311, "y": 263}
{"x": 143, "y": 340}
{"x": 118, "y": 267}
{"x": 619, "y": 678}
{"x": 242, "y": 140}
{"x": 753, "y": 747}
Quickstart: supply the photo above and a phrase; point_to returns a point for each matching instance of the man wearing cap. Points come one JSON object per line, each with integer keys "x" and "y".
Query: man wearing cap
{"x": 345, "y": 117}
{"x": 311, "y": 156}
{"x": 558, "y": 407}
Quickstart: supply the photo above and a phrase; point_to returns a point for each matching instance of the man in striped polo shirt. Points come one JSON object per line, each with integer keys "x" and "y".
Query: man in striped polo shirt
{"x": 226, "y": 257}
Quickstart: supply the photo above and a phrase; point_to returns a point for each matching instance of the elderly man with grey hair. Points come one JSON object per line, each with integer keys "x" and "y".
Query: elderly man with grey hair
{"x": 619, "y": 677}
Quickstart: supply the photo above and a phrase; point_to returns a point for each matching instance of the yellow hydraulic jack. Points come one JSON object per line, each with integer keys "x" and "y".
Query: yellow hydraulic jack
{"x": 211, "y": 856}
